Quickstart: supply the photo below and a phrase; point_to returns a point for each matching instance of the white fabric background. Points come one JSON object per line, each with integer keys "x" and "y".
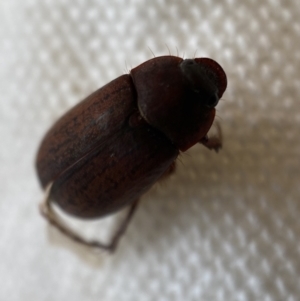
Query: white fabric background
{"x": 225, "y": 226}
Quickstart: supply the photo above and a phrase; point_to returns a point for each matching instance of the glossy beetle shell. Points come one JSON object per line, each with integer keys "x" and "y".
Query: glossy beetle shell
{"x": 113, "y": 146}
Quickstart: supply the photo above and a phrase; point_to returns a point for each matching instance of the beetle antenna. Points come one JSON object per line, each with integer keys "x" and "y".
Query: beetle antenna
{"x": 177, "y": 52}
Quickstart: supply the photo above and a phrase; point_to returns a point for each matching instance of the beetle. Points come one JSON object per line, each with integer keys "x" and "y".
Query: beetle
{"x": 109, "y": 149}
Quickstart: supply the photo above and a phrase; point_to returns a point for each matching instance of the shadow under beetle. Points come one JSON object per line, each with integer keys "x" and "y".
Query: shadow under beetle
{"x": 109, "y": 149}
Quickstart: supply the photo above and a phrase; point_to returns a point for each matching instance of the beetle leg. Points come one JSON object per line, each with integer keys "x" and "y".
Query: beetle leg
{"x": 214, "y": 142}
{"x": 47, "y": 211}
{"x": 111, "y": 247}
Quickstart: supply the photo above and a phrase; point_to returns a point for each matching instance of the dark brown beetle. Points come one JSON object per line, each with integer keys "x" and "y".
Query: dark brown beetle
{"x": 113, "y": 146}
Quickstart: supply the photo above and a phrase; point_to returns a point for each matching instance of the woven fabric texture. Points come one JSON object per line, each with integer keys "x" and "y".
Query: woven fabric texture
{"x": 225, "y": 226}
